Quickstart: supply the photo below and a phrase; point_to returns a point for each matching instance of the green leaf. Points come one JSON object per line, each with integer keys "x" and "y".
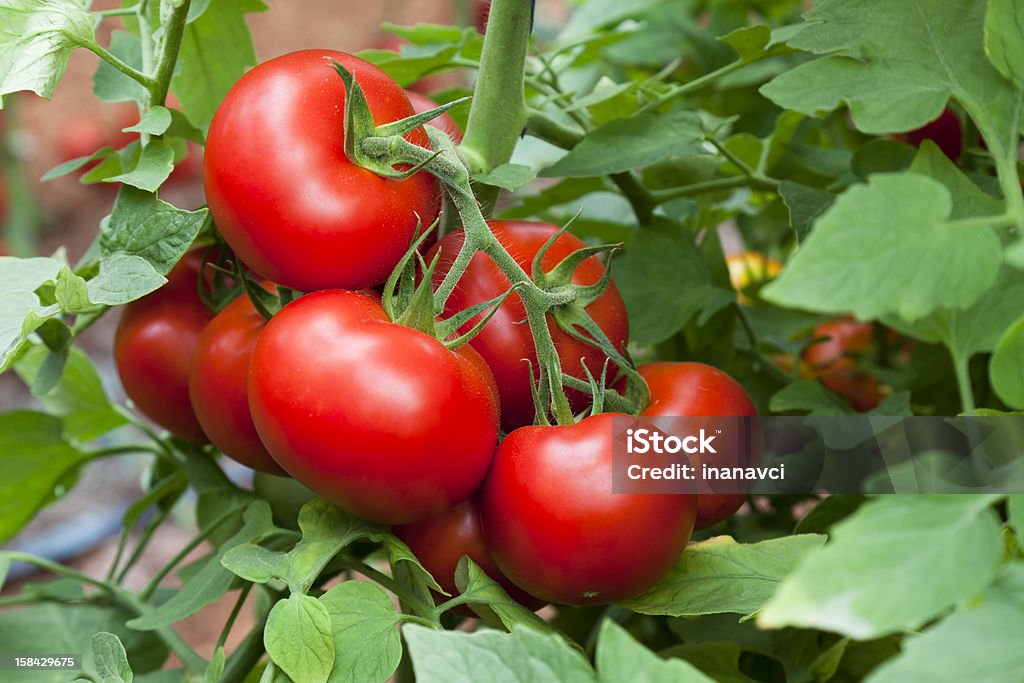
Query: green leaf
{"x": 211, "y": 582}
{"x": 255, "y": 563}
{"x": 979, "y": 643}
{"x": 400, "y": 555}
{"x": 1015, "y": 505}
{"x": 109, "y": 84}
{"x": 624, "y": 144}
{"x": 144, "y": 226}
{"x": 123, "y": 278}
{"x": 34, "y": 458}
{"x": 71, "y": 291}
{"x": 897, "y": 65}
{"x": 968, "y": 199}
{"x": 298, "y": 638}
{"x": 828, "y": 512}
{"x": 659, "y": 265}
{"x": 1006, "y": 369}
{"x": 951, "y": 545}
{"x": 111, "y": 659}
{"x": 507, "y": 176}
{"x": 155, "y": 121}
{"x": 1004, "y": 38}
{"x": 805, "y": 204}
{"x": 887, "y": 247}
{"x": 153, "y": 167}
{"x": 808, "y": 397}
{"x": 36, "y": 37}
{"x": 215, "y": 669}
{"x": 753, "y": 42}
{"x": 60, "y": 629}
{"x": 366, "y": 640}
{"x": 522, "y": 656}
{"x": 326, "y": 530}
{"x": 216, "y": 50}
{"x": 490, "y": 600}
{"x": 721, "y": 575}
{"x": 21, "y": 312}
{"x": 74, "y": 164}
{"x": 621, "y": 659}
{"x": 979, "y": 328}
{"x": 79, "y": 397}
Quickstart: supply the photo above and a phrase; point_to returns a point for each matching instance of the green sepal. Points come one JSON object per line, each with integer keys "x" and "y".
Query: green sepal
{"x": 267, "y": 304}
{"x": 572, "y": 319}
{"x": 403, "y": 127}
{"x": 419, "y": 314}
{"x": 400, "y": 285}
{"x": 448, "y": 327}
{"x": 372, "y": 148}
{"x": 560, "y": 407}
{"x": 540, "y": 393}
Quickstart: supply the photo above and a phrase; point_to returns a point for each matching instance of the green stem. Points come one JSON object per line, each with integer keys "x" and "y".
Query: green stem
{"x": 963, "y": 382}
{"x": 189, "y": 547}
{"x": 235, "y": 611}
{"x": 743, "y": 166}
{"x": 115, "y": 61}
{"x": 497, "y": 114}
{"x": 116, "y": 12}
{"x": 692, "y": 86}
{"x": 170, "y": 45}
{"x": 715, "y": 185}
{"x": 140, "y": 547}
{"x": 23, "y": 215}
{"x": 246, "y": 655}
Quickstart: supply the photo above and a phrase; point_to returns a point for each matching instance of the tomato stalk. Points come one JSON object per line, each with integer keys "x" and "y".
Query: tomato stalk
{"x": 170, "y": 44}
{"x": 497, "y": 115}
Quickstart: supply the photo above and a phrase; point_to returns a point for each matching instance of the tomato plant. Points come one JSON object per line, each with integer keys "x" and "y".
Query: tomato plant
{"x": 811, "y": 214}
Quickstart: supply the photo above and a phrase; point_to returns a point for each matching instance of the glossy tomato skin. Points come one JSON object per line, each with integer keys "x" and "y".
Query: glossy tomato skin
{"x": 282, "y": 191}
{"x": 218, "y": 384}
{"x": 505, "y": 342}
{"x": 377, "y": 418}
{"x": 421, "y": 103}
{"x": 153, "y": 349}
{"x": 834, "y": 360}
{"x": 698, "y": 390}
{"x": 554, "y": 527}
{"x": 440, "y": 542}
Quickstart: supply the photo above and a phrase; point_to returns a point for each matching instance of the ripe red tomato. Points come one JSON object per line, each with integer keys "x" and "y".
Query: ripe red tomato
{"x": 944, "y": 131}
{"x": 153, "y": 348}
{"x": 554, "y": 527}
{"x": 834, "y": 360}
{"x": 218, "y": 384}
{"x": 505, "y": 342}
{"x": 283, "y": 193}
{"x": 699, "y": 390}
{"x": 421, "y": 103}
{"x": 378, "y": 418}
{"x": 440, "y": 542}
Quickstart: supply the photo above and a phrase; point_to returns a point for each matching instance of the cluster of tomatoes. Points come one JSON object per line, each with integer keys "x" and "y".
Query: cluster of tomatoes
{"x": 385, "y": 420}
